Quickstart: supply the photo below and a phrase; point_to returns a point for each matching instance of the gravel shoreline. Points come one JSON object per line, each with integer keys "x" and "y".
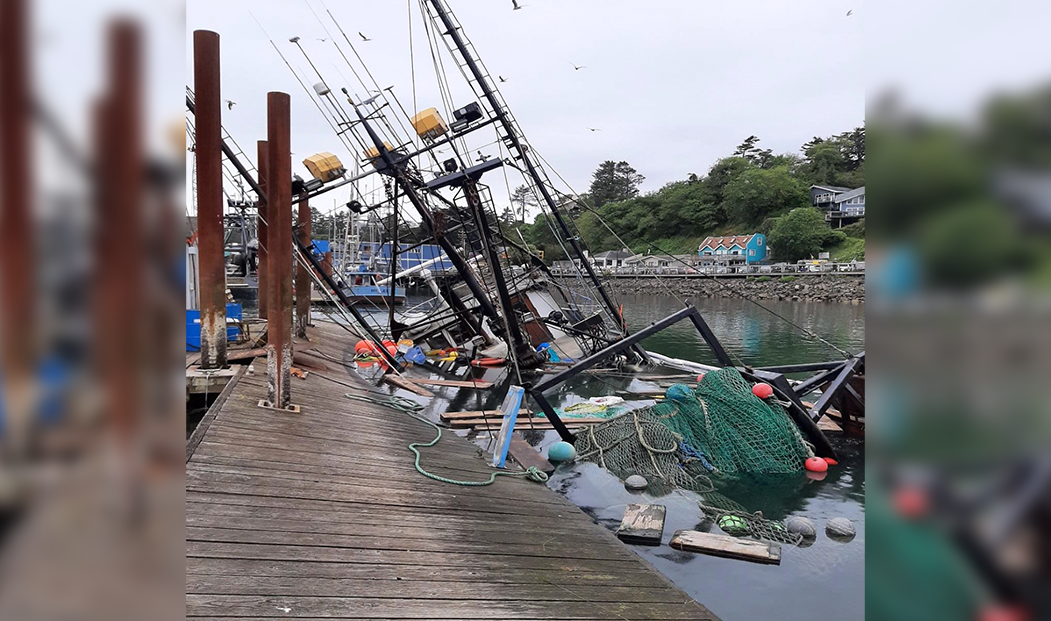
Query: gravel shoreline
{"x": 802, "y": 288}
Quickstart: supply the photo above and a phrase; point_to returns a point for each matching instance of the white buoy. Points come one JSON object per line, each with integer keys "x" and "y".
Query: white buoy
{"x": 800, "y": 525}
{"x": 636, "y": 482}
{"x": 840, "y": 528}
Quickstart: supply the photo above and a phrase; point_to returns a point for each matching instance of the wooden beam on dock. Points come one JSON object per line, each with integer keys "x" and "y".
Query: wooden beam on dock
{"x": 527, "y": 456}
{"x": 478, "y": 384}
{"x": 406, "y": 384}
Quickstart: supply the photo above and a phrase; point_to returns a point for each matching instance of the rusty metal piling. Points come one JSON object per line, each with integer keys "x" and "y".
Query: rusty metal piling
{"x": 303, "y": 271}
{"x": 279, "y": 237}
{"x": 262, "y": 271}
{"x": 208, "y": 124}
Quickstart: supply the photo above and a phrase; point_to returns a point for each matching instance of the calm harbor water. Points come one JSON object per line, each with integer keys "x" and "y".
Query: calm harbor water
{"x": 822, "y": 581}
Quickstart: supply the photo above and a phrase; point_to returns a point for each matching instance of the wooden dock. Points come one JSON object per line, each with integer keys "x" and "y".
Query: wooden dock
{"x": 322, "y": 514}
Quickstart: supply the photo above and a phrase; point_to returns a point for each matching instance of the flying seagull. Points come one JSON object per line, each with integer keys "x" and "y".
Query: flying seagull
{"x": 850, "y": 12}
{"x": 293, "y": 39}
{"x": 594, "y": 129}
{"x": 363, "y": 37}
{"x": 482, "y": 157}
{"x": 578, "y": 67}
{"x": 502, "y": 78}
{"x": 517, "y": 6}
{"x": 230, "y": 103}
{"x": 322, "y": 40}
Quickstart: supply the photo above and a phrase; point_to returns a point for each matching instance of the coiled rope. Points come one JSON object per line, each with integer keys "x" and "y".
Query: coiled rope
{"x": 410, "y": 407}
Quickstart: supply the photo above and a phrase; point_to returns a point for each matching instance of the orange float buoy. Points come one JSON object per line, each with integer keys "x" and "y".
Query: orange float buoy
{"x": 763, "y": 390}
{"x": 362, "y": 347}
{"x": 700, "y": 377}
{"x": 816, "y": 464}
{"x": 391, "y": 348}
{"x": 830, "y": 461}
{"x": 911, "y": 502}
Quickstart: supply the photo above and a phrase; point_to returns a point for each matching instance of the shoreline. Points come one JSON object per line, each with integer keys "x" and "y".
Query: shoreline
{"x": 802, "y": 288}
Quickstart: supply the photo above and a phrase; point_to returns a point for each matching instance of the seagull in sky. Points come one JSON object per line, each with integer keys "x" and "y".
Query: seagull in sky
{"x": 230, "y": 103}
{"x": 363, "y": 37}
{"x": 850, "y": 12}
{"x": 594, "y": 129}
{"x": 517, "y": 6}
{"x": 322, "y": 40}
{"x": 578, "y": 67}
{"x": 502, "y": 78}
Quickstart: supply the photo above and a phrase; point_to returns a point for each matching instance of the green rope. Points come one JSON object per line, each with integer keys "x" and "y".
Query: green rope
{"x": 410, "y": 407}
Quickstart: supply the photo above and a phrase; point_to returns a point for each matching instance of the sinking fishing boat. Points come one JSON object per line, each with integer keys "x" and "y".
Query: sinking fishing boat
{"x": 427, "y": 175}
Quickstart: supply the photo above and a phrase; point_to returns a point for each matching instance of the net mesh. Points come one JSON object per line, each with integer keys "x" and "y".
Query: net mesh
{"x": 693, "y": 439}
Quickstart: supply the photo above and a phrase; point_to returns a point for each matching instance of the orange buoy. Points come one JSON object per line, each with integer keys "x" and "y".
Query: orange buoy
{"x": 816, "y": 464}
{"x": 911, "y": 502}
{"x": 391, "y": 348}
{"x": 830, "y": 461}
{"x": 763, "y": 390}
{"x": 700, "y": 377}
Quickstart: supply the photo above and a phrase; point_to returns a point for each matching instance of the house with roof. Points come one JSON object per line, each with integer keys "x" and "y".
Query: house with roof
{"x": 733, "y": 249}
{"x": 841, "y": 205}
{"x": 612, "y": 259}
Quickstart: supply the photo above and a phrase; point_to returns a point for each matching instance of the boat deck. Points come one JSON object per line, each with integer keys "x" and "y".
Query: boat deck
{"x": 322, "y": 514}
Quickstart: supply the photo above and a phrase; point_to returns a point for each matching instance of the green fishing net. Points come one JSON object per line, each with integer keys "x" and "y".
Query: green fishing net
{"x": 694, "y": 438}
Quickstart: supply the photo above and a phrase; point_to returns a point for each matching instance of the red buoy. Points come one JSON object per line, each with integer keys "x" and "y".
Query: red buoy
{"x": 911, "y": 502}
{"x": 830, "y": 461}
{"x": 999, "y": 612}
{"x": 700, "y": 377}
{"x": 816, "y": 464}
{"x": 763, "y": 390}
{"x": 363, "y": 347}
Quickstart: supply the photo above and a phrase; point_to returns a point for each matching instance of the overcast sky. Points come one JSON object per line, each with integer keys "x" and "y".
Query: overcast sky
{"x": 672, "y": 85}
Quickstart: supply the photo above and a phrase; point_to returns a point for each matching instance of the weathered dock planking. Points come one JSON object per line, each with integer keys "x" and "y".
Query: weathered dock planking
{"x": 322, "y": 514}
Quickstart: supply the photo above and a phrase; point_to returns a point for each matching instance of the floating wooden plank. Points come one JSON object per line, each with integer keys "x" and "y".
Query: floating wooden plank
{"x": 642, "y": 524}
{"x": 727, "y": 547}
{"x": 480, "y": 384}
{"x": 527, "y": 456}
{"x": 474, "y": 414}
{"x": 406, "y": 384}
{"x": 522, "y": 421}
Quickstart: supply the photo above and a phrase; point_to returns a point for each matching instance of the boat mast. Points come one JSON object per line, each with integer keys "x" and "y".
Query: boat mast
{"x": 514, "y": 144}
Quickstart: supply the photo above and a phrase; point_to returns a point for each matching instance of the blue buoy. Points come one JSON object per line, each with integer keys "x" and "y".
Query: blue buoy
{"x": 561, "y": 451}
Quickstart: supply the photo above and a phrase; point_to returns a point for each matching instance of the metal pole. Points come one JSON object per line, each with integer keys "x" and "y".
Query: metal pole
{"x": 279, "y": 179}
{"x": 326, "y": 276}
{"x": 16, "y": 273}
{"x": 208, "y": 113}
{"x": 396, "y": 170}
{"x": 303, "y": 279}
{"x": 263, "y": 272}
{"x": 511, "y": 135}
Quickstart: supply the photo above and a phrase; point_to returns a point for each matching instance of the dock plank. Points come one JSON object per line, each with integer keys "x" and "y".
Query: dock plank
{"x": 323, "y": 514}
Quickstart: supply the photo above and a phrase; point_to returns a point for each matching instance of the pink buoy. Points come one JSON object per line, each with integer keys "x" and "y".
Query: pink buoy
{"x": 763, "y": 390}
{"x": 816, "y": 464}
{"x": 700, "y": 377}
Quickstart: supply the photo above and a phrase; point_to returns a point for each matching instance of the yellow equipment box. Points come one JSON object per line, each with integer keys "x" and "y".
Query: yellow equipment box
{"x": 324, "y": 166}
{"x": 373, "y": 153}
{"x": 429, "y": 124}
